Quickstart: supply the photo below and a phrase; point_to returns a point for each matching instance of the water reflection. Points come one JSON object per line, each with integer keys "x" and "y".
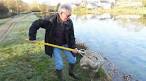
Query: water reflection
{"x": 131, "y": 22}
{"x": 143, "y": 19}
{"x": 120, "y": 38}
{"x": 91, "y": 16}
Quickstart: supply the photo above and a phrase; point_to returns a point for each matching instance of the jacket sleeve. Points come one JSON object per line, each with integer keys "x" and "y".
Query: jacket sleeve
{"x": 72, "y": 37}
{"x": 40, "y": 23}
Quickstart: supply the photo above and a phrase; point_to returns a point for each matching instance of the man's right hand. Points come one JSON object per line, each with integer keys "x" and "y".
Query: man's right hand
{"x": 31, "y": 41}
{"x": 75, "y": 51}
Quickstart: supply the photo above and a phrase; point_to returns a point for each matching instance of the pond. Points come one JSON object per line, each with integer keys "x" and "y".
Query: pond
{"x": 121, "y": 38}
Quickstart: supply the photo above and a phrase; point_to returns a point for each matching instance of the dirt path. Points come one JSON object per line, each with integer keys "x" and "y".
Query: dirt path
{"x": 9, "y": 25}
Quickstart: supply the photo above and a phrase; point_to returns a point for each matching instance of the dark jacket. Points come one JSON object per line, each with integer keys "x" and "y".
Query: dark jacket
{"x": 49, "y": 25}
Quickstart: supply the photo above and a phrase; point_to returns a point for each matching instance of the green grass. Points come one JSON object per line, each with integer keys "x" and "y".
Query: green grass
{"x": 22, "y": 61}
{"x": 3, "y": 21}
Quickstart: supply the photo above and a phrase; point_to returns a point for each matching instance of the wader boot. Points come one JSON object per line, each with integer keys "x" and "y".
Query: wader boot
{"x": 60, "y": 75}
{"x": 71, "y": 72}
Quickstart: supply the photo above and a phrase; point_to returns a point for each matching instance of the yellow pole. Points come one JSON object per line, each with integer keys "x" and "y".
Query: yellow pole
{"x": 53, "y": 45}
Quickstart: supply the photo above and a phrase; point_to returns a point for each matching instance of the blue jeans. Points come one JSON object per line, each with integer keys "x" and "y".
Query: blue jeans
{"x": 57, "y": 55}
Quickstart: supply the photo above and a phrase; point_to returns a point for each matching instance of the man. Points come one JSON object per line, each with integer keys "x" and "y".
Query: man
{"x": 59, "y": 31}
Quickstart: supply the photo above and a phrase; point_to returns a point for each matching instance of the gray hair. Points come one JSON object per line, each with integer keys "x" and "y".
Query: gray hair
{"x": 64, "y": 7}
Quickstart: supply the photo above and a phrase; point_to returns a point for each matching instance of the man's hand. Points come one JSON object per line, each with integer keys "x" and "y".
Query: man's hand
{"x": 75, "y": 51}
{"x": 32, "y": 41}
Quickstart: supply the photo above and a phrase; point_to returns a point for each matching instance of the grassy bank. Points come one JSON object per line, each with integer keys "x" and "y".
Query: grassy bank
{"x": 22, "y": 61}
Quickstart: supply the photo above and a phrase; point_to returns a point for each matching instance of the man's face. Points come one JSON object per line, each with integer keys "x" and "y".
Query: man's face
{"x": 65, "y": 16}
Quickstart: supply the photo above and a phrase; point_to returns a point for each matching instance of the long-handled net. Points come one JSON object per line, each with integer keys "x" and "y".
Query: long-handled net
{"x": 90, "y": 60}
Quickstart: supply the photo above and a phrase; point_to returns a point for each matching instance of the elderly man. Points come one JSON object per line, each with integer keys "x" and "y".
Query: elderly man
{"x": 59, "y": 31}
